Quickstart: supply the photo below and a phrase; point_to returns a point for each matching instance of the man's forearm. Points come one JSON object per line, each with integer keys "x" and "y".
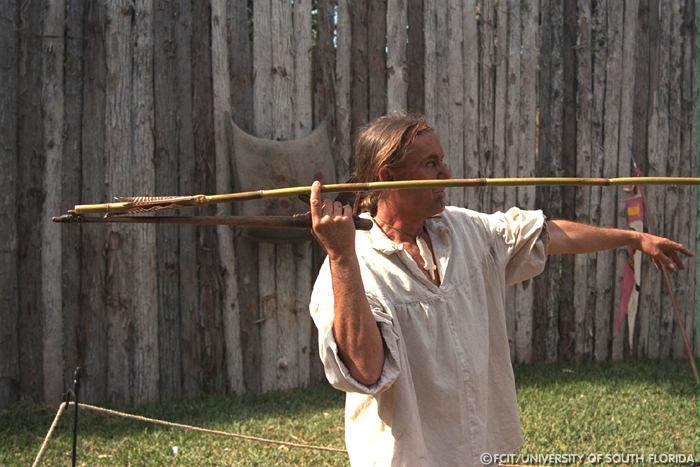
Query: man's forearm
{"x": 572, "y": 237}
{"x": 354, "y": 327}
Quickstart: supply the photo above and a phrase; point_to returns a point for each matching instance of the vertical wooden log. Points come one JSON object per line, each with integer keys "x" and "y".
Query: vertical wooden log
{"x": 325, "y": 106}
{"x": 51, "y": 265}
{"x": 284, "y": 357}
{"x": 120, "y": 268}
{"x": 222, "y": 108}
{"x": 583, "y": 310}
{"x": 567, "y": 165}
{"x": 241, "y": 68}
{"x": 145, "y": 311}
{"x": 166, "y": 99}
{"x": 526, "y": 156}
{"x": 262, "y": 65}
{"x": 268, "y": 321}
{"x": 548, "y": 285}
{"x": 685, "y": 280}
{"x": 189, "y": 77}
{"x": 93, "y": 316}
{"x": 343, "y": 90}
{"x": 359, "y": 59}
{"x": 376, "y": 31}
{"x": 263, "y": 127}
{"x": 415, "y": 57}
{"x": 441, "y": 121}
{"x": 500, "y": 55}
{"x": 431, "y": 65}
{"x": 301, "y": 252}
{"x": 626, "y": 136}
{"x": 487, "y": 94}
{"x": 209, "y": 323}
{"x": 70, "y": 246}
{"x": 605, "y": 266}
{"x": 470, "y": 64}
{"x": 665, "y": 220}
{"x": 396, "y": 58}
{"x": 599, "y": 44}
{"x": 454, "y": 144}
{"x": 30, "y": 171}
{"x": 9, "y": 303}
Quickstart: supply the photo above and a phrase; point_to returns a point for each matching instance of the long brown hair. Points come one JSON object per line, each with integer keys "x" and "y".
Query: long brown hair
{"x": 383, "y": 143}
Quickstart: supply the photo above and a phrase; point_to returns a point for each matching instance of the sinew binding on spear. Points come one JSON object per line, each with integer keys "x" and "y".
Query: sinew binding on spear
{"x": 133, "y": 205}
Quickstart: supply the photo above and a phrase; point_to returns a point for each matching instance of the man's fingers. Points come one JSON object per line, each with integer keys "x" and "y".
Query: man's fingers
{"x": 676, "y": 259}
{"x": 315, "y": 200}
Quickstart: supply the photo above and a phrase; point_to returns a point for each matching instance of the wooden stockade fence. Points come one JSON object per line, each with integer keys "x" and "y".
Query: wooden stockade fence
{"x": 120, "y": 98}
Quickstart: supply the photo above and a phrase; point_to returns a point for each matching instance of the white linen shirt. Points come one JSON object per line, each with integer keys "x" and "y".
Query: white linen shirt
{"x": 446, "y": 393}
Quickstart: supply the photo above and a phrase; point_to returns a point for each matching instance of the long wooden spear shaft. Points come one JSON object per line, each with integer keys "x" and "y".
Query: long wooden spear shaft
{"x": 156, "y": 203}
{"x": 297, "y": 221}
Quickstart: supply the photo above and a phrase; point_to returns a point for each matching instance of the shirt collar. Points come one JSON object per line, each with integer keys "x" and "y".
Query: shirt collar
{"x": 380, "y": 242}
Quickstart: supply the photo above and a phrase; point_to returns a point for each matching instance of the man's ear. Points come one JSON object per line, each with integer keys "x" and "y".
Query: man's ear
{"x": 385, "y": 174}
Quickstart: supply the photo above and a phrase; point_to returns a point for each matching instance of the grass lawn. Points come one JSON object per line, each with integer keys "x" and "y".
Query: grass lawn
{"x": 635, "y": 408}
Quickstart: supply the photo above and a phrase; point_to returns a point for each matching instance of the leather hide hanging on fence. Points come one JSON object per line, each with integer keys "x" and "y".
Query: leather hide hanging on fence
{"x": 260, "y": 163}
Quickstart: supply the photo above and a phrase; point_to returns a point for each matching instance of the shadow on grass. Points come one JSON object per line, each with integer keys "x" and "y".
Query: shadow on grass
{"x": 208, "y": 411}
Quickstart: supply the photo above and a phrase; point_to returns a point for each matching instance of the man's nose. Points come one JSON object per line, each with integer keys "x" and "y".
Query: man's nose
{"x": 444, "y": 171}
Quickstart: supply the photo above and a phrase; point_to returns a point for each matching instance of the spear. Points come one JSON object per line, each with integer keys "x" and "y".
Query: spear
{"x": 153, "y": 203}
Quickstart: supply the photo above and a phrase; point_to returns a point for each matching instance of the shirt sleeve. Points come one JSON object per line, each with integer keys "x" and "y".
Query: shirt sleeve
{"x": 337, "y": 373}
{"x": 526, "y": 242}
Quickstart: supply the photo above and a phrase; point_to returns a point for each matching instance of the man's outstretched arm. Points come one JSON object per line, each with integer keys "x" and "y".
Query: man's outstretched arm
{"x": 572, "y": 237}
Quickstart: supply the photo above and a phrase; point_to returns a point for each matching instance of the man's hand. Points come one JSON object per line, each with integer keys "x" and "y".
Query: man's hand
{"x": 332, "y": 224}
{"x": 664, "y": 253}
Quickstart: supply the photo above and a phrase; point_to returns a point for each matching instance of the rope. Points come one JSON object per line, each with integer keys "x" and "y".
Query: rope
{"x": 40, "y": 454}
{"x": 175, "y": 425}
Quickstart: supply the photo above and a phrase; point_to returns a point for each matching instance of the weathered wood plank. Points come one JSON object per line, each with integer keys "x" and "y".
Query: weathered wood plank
{"x": 70, "y": 191}
{"x": 343, "y": 91}
{"x": 284, "y": 356}
{"x": 166, "y": 100}
{"x": 92, "y": 339}
{"x": 583, "y": 309}
{"x": 415, "y": 57}
{"x": 304, "y": 345}
{"x": 210, "y": 328}
{"x": 605, "y": 272}
{"x": 526, "y": 156}
{"x": 118, "y": 136}
{"x": 221, "y": 93}
{"x": 441, "y": 121}
{"x": 9, "y": 301}
{"x": 454, "y": 144}
{"x": 396, "y": 57}
{"x": 430, "y": 86}
{"x": 487, "y": 94}
{"x": 685, "y": 281}
{"x": 470, "y": 74}
{"x": 500, "y": 56}
{"x": 241, "y": 68}
{"x": 188, "y": 85}
{"x": 51, "y": 265}
{"x": 376, "y": 31}
{"x": 599, "y": 43}
{"x": 626, "y": 136}
{"x": 359, "y": 59}
{"x": 268, "y": 317}
{"x": 146, "y": 372}
{"x": 262, "y": 66}
{"x": 548, "y": 285}
{"x": 301, "y": 253}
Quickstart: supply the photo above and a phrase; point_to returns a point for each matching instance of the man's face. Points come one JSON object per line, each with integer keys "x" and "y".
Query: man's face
{"x": 423, "y": 161}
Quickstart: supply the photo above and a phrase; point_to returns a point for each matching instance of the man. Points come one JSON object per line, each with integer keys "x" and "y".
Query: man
{"x": 411, "y": 315}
